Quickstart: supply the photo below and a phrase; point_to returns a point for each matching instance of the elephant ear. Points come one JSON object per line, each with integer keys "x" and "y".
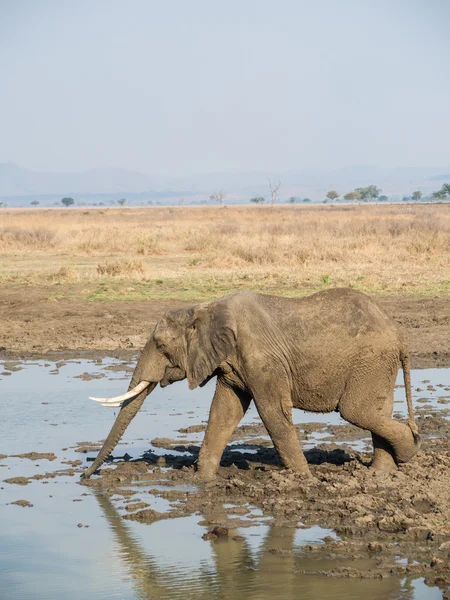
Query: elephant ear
{"x": 211, "y": 338}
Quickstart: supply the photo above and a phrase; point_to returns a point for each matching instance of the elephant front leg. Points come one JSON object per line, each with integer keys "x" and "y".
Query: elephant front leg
{"x": 227, "y": 409}
{"x": 276, "y": 414}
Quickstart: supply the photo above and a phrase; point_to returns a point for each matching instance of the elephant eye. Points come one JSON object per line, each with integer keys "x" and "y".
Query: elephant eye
{"x": 159, "y": 345}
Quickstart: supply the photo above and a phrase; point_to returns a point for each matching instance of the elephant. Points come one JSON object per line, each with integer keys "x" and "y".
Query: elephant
{"x": 335, "y": 350}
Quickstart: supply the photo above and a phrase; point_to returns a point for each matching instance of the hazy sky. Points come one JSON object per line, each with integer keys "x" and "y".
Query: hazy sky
{"x": 192, "y": 86}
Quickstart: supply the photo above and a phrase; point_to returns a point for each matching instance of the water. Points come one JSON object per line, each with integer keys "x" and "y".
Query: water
{"x": 44, "y": 554}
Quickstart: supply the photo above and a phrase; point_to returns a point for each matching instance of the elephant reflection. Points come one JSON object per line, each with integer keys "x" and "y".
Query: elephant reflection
{"x": 267, "y": 573}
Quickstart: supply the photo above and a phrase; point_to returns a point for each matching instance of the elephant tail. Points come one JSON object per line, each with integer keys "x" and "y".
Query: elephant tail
{"x": 406, "y": 366}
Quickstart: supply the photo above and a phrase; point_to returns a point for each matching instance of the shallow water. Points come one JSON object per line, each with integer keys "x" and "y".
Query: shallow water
{"x": 44, "y": 554}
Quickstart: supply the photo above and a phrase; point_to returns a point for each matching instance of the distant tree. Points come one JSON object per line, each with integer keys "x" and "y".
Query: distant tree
{"x": 274, "y": 186}
{"x": 406, "y": 198}
{"x": 417, "y": 195}
{"x": 67, "y": 201}
{"x": 333, "y": 195}
{"x": 442, "y": 193}
{"x": 383, "y": 198}
{"x": 292, "y": 200}
{"x": 371, "y": 192}
{"x": 3, "y": 205}
{"x": 34, "y": 202}
{"x": 353, "y": 196}
{"x": 122, "y": 201}
{"x": 218, "y": 196}
{"x": 258, "y": 200}
{"x": 306, "y": 200}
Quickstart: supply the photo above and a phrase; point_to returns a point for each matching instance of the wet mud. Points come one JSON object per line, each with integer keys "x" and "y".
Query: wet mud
{"x": 380, "y": 525}
{"x": 380, "y": 516}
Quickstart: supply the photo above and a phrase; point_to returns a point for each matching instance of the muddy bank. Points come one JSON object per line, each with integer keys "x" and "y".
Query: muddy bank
{"x": 398, "y": 520}
{"x": 34, "y": 325}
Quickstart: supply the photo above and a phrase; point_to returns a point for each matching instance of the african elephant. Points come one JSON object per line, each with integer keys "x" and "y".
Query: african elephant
{"x": 335, "y": 350}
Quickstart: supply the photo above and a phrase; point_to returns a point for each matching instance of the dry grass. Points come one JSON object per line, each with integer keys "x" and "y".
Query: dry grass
{"x": 207, "y": 251}
{"x": 130, "y": 268}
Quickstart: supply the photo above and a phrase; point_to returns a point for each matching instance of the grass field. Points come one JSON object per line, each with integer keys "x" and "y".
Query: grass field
{"x": 186, "y": 252}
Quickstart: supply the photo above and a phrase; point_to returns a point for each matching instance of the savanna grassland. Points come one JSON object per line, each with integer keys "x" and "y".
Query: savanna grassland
{"x": 57, "y": 259}
{"x": 186, "y": 253}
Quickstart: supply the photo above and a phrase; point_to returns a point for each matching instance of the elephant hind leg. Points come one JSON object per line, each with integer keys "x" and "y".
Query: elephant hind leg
{"x": 393, "y": 441}
{"x": 383, "y": 455}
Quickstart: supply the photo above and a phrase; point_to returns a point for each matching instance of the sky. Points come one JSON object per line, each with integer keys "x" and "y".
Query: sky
{"x": 183, "y": 87}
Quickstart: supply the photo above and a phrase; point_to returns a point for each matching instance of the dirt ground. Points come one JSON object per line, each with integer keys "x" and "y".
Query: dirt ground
{"x": 34, "y": 323}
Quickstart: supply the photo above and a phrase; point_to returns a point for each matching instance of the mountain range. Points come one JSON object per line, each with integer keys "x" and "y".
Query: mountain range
{"x": 19, "y": 186}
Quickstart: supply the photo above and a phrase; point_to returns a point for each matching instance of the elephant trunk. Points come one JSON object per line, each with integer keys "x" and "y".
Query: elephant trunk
{"x": 128, "y": 411}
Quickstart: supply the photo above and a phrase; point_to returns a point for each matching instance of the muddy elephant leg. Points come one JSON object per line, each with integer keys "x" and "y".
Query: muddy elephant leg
{"x": 393, "y": 441}
{"x": 276, "y": 414}
{"x": 383, "y": 455}
{"x": 227, "y": 409}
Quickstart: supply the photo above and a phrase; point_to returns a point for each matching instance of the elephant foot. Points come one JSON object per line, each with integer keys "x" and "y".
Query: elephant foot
{"x": 206, "y": 476}
{"x": 383, "y": 461}
{"x": 407, "y": 451}
{"x": 206, "y": 471}
{"x": 383, "y": 466}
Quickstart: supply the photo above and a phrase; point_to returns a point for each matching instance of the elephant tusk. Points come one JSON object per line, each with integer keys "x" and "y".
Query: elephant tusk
{"x": 117, "y": 400}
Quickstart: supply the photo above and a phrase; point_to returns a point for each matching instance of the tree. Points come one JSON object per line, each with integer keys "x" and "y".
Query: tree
{"x": 122, "y": 201}
{"x": 67, "y": 202}
{"x": 371, "y": 192}
{"x": 417, "y": 195}
{"x": 333, "y": 195}
{"x": 353, "y": 196}
{"x": 442, "y": 193}
{"x": 258, "y": 200}
{"x": 383, "y": 198}
{"x": 218, "y": 196}
{"x": 274, "y": 186}
{"x": 292, "y": 200}
{"x": 306, "y": 199}
{"x": 34, "y": 202}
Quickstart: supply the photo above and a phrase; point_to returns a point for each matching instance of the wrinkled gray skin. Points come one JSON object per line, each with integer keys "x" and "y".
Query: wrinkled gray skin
{"x": 334, "y": 350}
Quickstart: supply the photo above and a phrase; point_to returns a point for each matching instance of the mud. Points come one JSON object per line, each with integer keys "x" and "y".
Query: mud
{"x": 120, "y": 328}
{"x": 379, "y": 526}
{"x": 382, "y": 516}
{"x": 17, "y": 480}
{"x": 23, "y": 503}
{"x": 36, "y": 456}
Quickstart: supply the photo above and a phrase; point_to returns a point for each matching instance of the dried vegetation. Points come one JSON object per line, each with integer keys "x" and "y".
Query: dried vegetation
{"x": 385, "y": 249}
